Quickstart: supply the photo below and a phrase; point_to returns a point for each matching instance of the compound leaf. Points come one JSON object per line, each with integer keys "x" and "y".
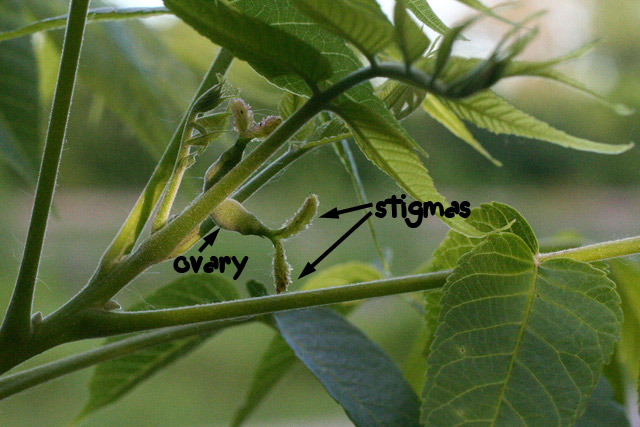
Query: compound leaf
{"x": 94, "y": 15}
{"x": 275, "y": 362}
{"x": 400, "y": 98}
{"x": 458, "y": 66}
{"x": 519, "y": 342}
{"x": 283, "y": 14}
{"x": 155, "y": 77}
{"x": 344, "y": 153}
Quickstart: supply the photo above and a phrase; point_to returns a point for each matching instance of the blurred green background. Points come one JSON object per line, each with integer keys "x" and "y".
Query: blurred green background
{"x": 135, "y": 80}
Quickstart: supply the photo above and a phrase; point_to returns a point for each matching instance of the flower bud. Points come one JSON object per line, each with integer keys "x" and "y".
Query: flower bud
{"x": 208, "y": 100}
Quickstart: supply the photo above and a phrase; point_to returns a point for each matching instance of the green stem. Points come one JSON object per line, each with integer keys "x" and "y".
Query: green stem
{"x": 94, "y": 15}
{"x": 26, "y": 379}
{"x": 108, "y": 322}
{"x": 598, "y": 251}
{"x": 234, "y": 312}
{"x": 17, "y": 321}
{"x": 128, "y": 235}
{"x": 113, "y": 323}
{"x": 169, "y": 197}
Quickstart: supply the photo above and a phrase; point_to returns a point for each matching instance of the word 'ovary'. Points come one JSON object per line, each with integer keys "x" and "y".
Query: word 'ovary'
{"x": 182, "y": 264}
{"x": 414, "y": 212}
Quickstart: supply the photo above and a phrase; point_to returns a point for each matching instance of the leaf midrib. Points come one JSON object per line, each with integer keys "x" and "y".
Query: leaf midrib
{"x": 516, "y": 347}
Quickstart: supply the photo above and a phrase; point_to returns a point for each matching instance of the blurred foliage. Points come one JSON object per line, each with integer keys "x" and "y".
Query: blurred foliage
{"x": 114, "y": 117}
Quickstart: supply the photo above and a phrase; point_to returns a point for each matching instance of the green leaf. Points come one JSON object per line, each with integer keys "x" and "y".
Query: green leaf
{"x": 288, "y": 104}
{"x": 400, "y": 98}
{"x": 487, "y": 218}
{"x": 626, "y": 274}
{"x": 270, "y": 50}
{"x": 342, "y": 274}
{"x": 94, "y": 15}
{"x": 354, "y": 370}
{"x": 491, "y": 112}
{"x": 562, "y": 78}
{"x": 325, "y": 133}
{"x": 443, "y": 114}
{"x": 278, "y": 359}
{"x": 19, "y": 98}
{"x": 602, "y": 410}
{"x": 431, "y": 314}
{"x": 388, "y": 149}
{"x": 615, "y": 374}
{"x": 477, "y": 5}
{"x": 410, "y": 38}
{"x": 282, "y": 14}
{"x": 519, "y": 342}
{"x": 445, "y": 47}
{"x": 543, "y": 69}
{"x": 415, "y": 363}
{"x": 361, "y": 22}
{"x": 423, "y": 11}
{"x": 113, "y": 379}
{"x": 343, "y": 61}
{"x": 458, "y": 66}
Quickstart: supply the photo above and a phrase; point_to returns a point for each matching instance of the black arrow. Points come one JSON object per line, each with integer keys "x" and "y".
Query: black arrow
{"x": 209, "y": 239}
{"x": 335, "y": 213}
{"x": 310, "y": 267}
